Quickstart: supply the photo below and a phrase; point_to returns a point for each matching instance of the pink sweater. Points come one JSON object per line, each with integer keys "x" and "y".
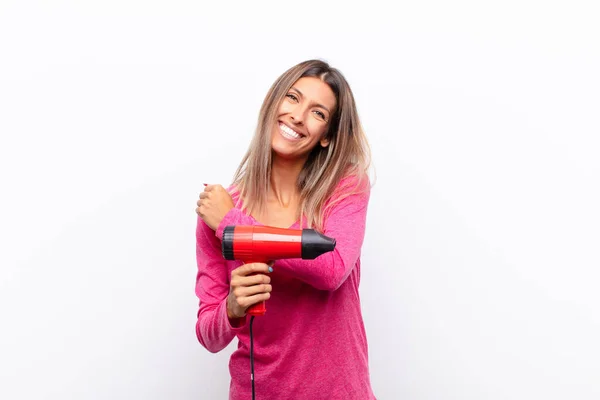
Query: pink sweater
{"x": 311, "y": 343}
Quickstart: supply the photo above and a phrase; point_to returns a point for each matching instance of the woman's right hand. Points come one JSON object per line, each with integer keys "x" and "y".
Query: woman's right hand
{"x": 250, "y": 284}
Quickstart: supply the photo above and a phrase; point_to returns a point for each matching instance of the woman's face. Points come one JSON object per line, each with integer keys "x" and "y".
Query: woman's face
{"x": 303, "y": 118}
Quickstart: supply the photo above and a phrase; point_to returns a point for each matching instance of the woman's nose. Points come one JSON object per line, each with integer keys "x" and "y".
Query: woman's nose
{"x": 297, "y": 115}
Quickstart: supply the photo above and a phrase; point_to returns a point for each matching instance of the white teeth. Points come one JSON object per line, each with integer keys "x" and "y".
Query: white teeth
{"x": 288, "y": 132}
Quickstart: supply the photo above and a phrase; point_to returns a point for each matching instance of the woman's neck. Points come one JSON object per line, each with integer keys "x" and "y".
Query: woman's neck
{"x": 284, "y": 178}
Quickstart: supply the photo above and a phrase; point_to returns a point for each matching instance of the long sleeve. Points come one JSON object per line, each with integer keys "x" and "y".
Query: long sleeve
{"x": 213, "y": 328}
{"x": 346, "y": 224}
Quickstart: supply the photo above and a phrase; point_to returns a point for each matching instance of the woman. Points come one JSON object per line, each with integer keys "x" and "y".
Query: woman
{"x": 306, "y": 167}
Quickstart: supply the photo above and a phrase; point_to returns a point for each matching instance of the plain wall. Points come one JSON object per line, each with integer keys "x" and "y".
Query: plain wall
{"x": 480, "y": 265}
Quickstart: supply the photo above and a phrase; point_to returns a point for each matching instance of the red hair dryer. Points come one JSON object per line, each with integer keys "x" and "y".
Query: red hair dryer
{"x": 264, "y": 243}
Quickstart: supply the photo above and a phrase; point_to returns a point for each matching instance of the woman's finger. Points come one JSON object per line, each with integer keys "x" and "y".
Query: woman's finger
{"x": 245, "y": 302}
{"x": 247, "y": 291}
{"x": 249, "y": 280}
{"x": 252, "y": 268}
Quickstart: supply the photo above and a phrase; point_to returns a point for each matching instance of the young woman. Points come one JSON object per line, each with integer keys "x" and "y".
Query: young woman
{"x": 306, "y": 167}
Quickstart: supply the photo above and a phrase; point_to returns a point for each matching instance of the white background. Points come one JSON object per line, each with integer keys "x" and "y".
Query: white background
{"x": 480, "y": 276}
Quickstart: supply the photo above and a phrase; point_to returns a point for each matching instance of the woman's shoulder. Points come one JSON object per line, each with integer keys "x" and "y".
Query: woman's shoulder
{"x": 353, "y": 187}
{"x": 233, "y": 191}
{"x": 353, "y": 182}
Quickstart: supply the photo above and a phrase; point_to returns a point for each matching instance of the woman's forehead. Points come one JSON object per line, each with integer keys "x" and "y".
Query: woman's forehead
{"x": 315, "y": 90}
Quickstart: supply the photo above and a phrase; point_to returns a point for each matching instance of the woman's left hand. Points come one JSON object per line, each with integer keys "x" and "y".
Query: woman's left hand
{"x": 214, "y": 203}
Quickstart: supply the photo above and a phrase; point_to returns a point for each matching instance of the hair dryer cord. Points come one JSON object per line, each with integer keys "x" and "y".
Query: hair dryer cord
{"x": 252, "y": 356}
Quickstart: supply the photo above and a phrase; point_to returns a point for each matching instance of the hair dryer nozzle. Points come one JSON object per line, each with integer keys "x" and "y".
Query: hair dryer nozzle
{"x": 314, "y": 244}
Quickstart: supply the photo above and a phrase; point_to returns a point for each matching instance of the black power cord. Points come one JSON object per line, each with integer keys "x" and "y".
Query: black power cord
{"x": 252, "y": 356}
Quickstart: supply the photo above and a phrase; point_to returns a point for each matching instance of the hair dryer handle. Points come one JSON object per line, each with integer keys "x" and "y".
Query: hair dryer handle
{"x": 258, "y": 309}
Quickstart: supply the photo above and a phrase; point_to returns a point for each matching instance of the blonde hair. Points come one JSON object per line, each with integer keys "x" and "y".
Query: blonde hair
{"x": 348, "y": 152}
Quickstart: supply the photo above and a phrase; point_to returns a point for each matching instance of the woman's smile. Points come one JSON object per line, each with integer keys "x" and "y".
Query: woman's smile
{"x": 288, "y": 133}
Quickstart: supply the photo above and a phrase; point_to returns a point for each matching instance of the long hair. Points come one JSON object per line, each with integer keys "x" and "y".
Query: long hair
{"x": 348, "y": 152}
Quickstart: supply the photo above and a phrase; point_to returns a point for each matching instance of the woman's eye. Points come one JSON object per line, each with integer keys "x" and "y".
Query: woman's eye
{"x": 292, "y": 97}
{"x": 320, "y": 115}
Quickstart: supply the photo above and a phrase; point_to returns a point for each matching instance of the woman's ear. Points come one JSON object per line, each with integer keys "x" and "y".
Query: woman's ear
{"x": 324, "y": 142}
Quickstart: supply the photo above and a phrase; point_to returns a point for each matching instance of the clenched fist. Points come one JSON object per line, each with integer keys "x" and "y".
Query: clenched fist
{"x": 213, "y": 204}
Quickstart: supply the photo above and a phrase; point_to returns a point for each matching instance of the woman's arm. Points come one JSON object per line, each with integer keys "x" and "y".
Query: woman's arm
{"x": 213, "y": 328}
{"x": 346, "y": 224}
